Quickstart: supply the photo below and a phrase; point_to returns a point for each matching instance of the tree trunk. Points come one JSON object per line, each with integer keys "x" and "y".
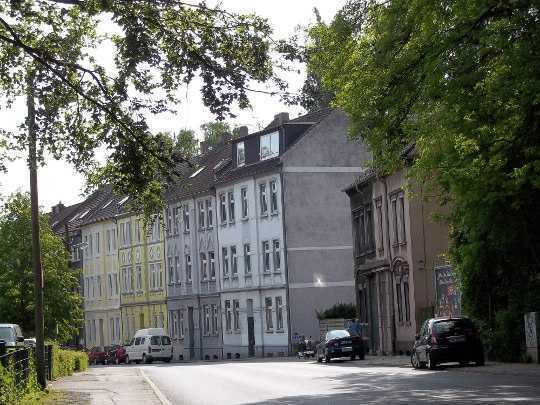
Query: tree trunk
{"x": 36, "y": 248}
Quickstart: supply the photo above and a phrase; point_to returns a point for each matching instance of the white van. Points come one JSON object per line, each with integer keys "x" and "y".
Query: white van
{"x": 11, "y": 335}
{"x": 148, "y": 345}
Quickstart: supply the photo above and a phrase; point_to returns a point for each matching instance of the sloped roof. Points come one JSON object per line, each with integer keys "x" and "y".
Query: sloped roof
{"x": 205, "y": 171}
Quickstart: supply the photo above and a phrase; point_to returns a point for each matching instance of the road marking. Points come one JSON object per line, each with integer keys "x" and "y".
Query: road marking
{"x": 156, "y": 390}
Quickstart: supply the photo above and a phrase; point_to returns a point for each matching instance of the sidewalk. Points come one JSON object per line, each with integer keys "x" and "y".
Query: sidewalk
{"x": 119, "y": 386}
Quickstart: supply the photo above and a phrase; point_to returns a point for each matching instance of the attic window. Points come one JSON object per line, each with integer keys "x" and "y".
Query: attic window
{"x": 221, "y": 164}
{"x": 123, "y": 200}
{"x": 85, "y": 213}
{"x": 197, "y": 172}
{"x": 269, "y": 145}
{"x": 106, "y": 205}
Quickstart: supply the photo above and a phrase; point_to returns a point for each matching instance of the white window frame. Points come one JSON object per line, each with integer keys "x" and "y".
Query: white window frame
{"x": 273, "y": 197}
{"x": 263, "y": 198}
{"x": 234, "y": 261}
{"x": 240, "y": 154}
{"x": 266, "y": 256}
{"x": 244, "y": 201}
{"x": 276, "y": 255}
{"x": 231, "y": 206}
{"x": 269, "y": 145}
{"x": 247, "y": 259}
{"x": 225, "y": 261}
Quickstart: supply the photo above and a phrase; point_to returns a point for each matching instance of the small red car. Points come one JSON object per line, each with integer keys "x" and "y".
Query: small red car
{"x": 97, "y": 355}
{"x": 116, "y": 354}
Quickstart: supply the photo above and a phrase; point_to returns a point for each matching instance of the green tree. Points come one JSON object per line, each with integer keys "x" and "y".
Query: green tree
{"x": 214, "y": 131}
{"x": 48, "y": 45}
{"x": 461, "y": 81}
{"x": 62, "y": 302}
{"x": 186, "y": 143}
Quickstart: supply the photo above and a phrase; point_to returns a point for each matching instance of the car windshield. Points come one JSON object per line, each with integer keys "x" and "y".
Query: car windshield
{"x": 337, "y": 334}
{"x": 6, "y": 334}
{"x": 155, "y": 340}
{"x": 451, "y": 327}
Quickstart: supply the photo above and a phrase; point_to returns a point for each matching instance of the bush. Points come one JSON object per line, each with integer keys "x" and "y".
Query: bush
{"x": 66, "y": 362}
{"x": 12, "y": 393}
{"x": 338, "y": 311}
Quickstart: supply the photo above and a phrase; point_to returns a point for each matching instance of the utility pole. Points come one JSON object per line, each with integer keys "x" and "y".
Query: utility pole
{"x": 36, "y": 247}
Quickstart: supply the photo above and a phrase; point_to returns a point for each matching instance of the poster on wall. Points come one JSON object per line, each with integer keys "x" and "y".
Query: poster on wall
{"x": 447, "y": 293}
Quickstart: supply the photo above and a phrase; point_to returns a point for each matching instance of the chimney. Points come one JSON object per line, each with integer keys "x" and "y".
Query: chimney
{"x": 242, "y": 131}
{"x": 204, "y": 147}
{"x": 281, "y": 118}
{"x": 57, "y": 208}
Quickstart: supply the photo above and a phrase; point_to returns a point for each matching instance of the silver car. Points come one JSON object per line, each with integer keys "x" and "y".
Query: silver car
{"x": 11, "y": 335}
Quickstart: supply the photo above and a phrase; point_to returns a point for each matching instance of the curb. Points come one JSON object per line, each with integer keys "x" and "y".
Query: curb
{"x": 162, "y": 398}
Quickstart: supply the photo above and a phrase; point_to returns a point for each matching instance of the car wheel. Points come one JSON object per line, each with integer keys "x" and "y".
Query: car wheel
{"x": 137, "y": 362}
{"x": 319, "y": 359}
{"x": 414, "y": 360}
{"x": 431, "y": 364}
{"x": 127, "y": 361}
{"x": 327, "y": 359}
{"x": 481, "y": 361}
{"x": 168, "y": 359}
{"x": 144, "y": 359}
{"x": 117, "y": 361}
{"x": 353, "y": 357}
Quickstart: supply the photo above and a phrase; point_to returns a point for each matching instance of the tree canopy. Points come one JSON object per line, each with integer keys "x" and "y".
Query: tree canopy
{"x": 83, "y": 103}
{"x": 62, "y": 302}
{"x": 461, "y": 81}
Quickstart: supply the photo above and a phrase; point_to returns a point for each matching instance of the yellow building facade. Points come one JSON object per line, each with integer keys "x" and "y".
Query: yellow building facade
{"x": 141, "y": 264}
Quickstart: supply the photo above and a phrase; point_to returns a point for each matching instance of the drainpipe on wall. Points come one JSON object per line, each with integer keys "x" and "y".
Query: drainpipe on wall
{"x": 392, "y": 303}
{"x": 285, "y": 262}
{"x": 257, "y": 218}
{"x": 196, "y": 242}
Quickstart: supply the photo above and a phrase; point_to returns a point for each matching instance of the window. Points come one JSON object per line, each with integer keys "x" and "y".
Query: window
{"x": 240, "y": 154}
{"x": 399, "y": 302}
{"x": 273, "y": 197}
{"x": 196, "y": 172}
{"x": 236, "y": 314}
{"x": 264, "y": 199}
{"x": 234, "y": 262}
{"x": 225, "y": 258}
{"x": 113, "y": 236}
{"x": 174, "y": 324}
{"x": 152, "y": 270}
{"x": 177, "y": 269}
{"x": 223, "y": 208}
{"x": 395, "y": 221}
{"x": 186, "y": 218}
{"x": 176, "y": 221}
{"x": 277, "y": 255}
{"x": 268, "y": 313}
{"x": 98, "y": 244}
{"x": 215, "y": 320}
{"x": 402, "y": 238}
{"x": 231, "y": 206}
{"x": 181, "y": 326}
{"x": 202, "y": 214}
{"x": 159, "y": 274}
{"x": 169, "y": 220}
{"x": 380, "y": 234}
{"x": 137, "y": 231}
{"x": 98, "y": 282}
{"x": 243, "y": 197}
{"x": 369, "y": 229}
{"x": 407, "y": 302}
{"x": 171, "y": 269}
{"x": 269, "y": 145}
{"x": 188, "y": 268}
{"x": 266, "y": 255}
{"x": 110, "y": 290}
{"x": 86, "y": 250}
{"x": 212, "y": 262}
{"x": 279, "y": 313}
{"x": 363, "y": 230}
{"x": 209, "y": 214}
{"x": 247, "y": 259}
{"x": 227, "y": 315}
{"x": 206, "y": 329}
{"x": 109, "y": 241}
{"x": 91, "y": 247}
{"x": 128, "y": 233}
{"x": 204, "y": 270}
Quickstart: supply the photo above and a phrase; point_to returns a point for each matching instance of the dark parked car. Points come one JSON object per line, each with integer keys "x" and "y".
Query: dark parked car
{"x": 445, "y": 340}
{"x": 339, "y": 343}
{"x": 116, "y": 354}
{"x": 97, "y": 355}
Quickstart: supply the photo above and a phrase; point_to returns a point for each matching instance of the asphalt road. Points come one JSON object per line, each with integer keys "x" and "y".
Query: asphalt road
{"x": 300, "y": 382}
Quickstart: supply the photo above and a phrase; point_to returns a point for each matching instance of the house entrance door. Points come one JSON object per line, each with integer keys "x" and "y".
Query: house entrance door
{"x": 191, "y": 333}
{"x": 251, "y": 328}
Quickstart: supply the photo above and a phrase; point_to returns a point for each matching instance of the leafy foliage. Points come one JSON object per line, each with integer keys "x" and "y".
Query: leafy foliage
{"x": 66, "y": 362}
{"x": 62, "y": 302}
{"x": 338, "y": 311}
{"x": 461, "y": 81}
{"x": 82, "y": 105}
{"x": 213, "y": 132}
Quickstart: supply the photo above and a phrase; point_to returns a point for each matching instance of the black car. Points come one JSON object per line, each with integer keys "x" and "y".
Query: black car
{"x": 340, "y": 343}
{"x": 445, "y": 340}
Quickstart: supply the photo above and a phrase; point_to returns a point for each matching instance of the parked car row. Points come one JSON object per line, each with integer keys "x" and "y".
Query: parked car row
{"x": 147, "y": 345}
{"x": 441, "y": 340}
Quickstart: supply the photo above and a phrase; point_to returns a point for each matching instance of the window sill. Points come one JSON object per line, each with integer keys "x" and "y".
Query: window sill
{"x": 249, "y": 275}
{"x": 264, "y": 215}
{"x": 232, "y": 222}
{"x": 237, "y": 332}
{"x": 244, "y": 219}
{"x": 223, "y": 224}
{"x": 277, "y": 272}
{"x": 280, "y": 331}
{"x": 269, "y": 331}
{"x": 267, "y": 273}
{"x": 274, "y": 213}
{"x": 235, "y": 277}
{"x": 187, "y": 232}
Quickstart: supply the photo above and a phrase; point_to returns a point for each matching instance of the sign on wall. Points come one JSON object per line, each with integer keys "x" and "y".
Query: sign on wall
{"x": 448, "y": 298}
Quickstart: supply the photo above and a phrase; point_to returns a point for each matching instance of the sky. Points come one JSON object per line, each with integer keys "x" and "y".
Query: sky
{"x": 59, "y": 182}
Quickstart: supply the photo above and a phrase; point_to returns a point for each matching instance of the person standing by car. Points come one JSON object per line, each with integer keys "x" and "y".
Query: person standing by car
{"x": 355, "y": 329}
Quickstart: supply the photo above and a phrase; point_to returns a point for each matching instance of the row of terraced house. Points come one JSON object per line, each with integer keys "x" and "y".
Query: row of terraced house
{"x": 253, "y": 242}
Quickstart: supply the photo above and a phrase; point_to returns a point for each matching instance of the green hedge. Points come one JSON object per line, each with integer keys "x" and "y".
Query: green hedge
{"x": 13, "y": 394}
{"x": 338, "y": 311}
{"x": 67, "y": 362}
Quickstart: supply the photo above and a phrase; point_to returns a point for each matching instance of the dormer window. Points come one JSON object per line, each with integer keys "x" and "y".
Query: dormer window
{"x": 240, "y": 154}
{"x": 269, "y": 145}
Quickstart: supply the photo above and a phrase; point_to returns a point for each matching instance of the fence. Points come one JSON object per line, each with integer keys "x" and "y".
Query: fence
{"x": 19, "y": 360}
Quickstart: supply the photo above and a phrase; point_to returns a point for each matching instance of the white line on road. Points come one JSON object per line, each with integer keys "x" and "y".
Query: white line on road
{"x": 156, "y": 390}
